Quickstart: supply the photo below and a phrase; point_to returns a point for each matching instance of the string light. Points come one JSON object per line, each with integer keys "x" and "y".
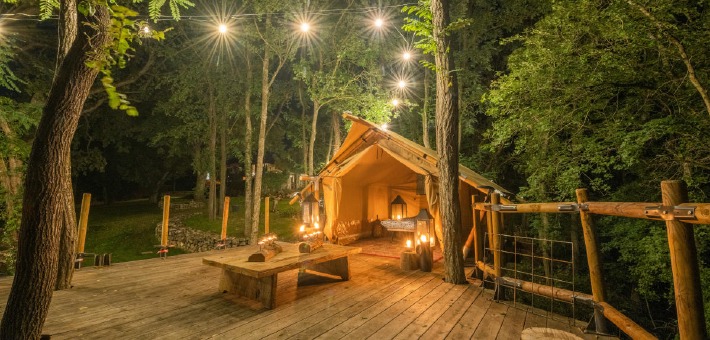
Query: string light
{"x": 406, "y": 56}
{"x": 379, "y": 22}
{"x": 222, "y": 28}
{"x": 395, "y": 102}
{"x": 402, "y": 84}
{"x": 305, "y": 27}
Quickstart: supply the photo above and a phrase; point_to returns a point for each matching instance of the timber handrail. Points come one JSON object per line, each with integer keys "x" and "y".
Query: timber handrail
{"x": 693, "y": 213}
{"x": 678, "y": 216}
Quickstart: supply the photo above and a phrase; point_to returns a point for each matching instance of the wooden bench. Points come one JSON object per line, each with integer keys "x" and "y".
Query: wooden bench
{"x": 257, "y": 280}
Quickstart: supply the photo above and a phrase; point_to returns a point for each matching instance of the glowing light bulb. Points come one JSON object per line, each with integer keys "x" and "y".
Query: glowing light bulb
{"x": 423, "y": 238}
{"x": 379, "y": 22}
{"x": 305, "y": 27}
{"x": 409, "y": 243}
{"x": 302, "y": 229}
{"x": 316, "y": 225}
{"x": 146, "y": 29}
{"x": 222, "y": 28}
{"x": 384, "y": 126}
{"x": 395, "y": 102}
{"x": 406, "y": 56}
{"x": 402, "y": 84}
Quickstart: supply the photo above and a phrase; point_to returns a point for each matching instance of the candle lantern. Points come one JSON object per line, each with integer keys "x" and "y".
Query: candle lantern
{"x": 399, "y": 208}
{"x": 424, "y": 223}
{"x": 309, "y": 210}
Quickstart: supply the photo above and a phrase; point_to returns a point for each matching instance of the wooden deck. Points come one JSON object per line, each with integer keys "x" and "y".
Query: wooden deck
{"x": 177, "y": 298}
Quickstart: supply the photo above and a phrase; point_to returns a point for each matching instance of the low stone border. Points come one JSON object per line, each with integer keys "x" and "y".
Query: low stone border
{"x": 194, "y": 241}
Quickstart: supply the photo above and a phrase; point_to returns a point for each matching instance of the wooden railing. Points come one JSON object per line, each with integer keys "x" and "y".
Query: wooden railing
{"x": 674, "y": 210}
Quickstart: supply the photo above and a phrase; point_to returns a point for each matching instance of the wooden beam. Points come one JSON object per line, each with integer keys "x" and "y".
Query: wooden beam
{"x": 625, "y": 324}
{"x": 595, "y": 270}
{"x": 266, "y": 215}
{"x": 495, "y": 230}
{"x": 684, "y": 263}
{"x": 83, "y": 221}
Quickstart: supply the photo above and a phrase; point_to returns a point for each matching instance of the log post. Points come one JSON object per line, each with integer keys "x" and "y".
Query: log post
{"x": 83, "y": 222}
{"x": 684, "y": 263}
{"x": 225, "y": 217}
{"x": 166, "y": 217}
{"x": 471, "y": 240}
{"x": 495, "y": 231}
{"x": 266, "y": 215}
{"x": 409, "y": 260}
{"x": 595, "y": 269}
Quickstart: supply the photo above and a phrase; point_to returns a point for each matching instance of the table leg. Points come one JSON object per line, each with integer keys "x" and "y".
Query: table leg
{"x": 337, "y": 267}
{"x": 260, "y": 289}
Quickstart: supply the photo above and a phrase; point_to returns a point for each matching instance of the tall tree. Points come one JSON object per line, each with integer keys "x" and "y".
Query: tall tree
{"x": 48, "y": 207}
{"x": 447, "y": 121}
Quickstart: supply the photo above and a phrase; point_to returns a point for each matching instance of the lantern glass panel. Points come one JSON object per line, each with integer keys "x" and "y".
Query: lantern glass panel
{"x": 398, "y": 208}
{"x": 309, "y": 210}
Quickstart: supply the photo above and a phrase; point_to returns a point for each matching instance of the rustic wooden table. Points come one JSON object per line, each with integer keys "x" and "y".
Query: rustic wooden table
{"x": 257, "y": 280}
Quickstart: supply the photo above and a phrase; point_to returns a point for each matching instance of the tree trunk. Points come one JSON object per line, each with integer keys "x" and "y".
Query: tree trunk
{"x": 337, "y": 138}
{"x": 222, "y": 161}
{"x": 425, "y": 110}
{"x": 447, "y": 119}
{"x": 212, "y": 116}
{"x": 259, "y": 171}
{"x": 248, "y": 189}
{"x": 312, "y": 142}
{"x": 48, "y": 206}
{"x": 303, "y": 127}
{"x": 200, "y": 173}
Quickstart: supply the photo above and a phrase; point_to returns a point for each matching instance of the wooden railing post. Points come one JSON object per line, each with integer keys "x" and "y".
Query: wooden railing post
{"x": 83, "y": 222}
{"x": 684, "y": 263}
{"x": 475, "y": 239}
{"x": 225, "y": 217}
{"x": 595, "y": 269}
{"x": 166, "y": 218}
{"x": 266, "y": 215}
{"x": 495, "y": 231}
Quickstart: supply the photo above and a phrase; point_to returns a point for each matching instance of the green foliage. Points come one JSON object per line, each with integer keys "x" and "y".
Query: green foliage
{"x": 8, "y": 79}
{"x": 595, "y": 98}
{"x": 126, "y": 230}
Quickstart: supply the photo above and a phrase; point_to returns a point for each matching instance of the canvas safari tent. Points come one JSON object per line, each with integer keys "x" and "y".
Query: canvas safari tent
{"x": 371, "y": 168}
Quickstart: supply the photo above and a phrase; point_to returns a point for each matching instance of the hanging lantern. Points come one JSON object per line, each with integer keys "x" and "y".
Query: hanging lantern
{"x": 309, "y": 209}
{"x": 398, "y": 208}
{"x": 424, "y": 223}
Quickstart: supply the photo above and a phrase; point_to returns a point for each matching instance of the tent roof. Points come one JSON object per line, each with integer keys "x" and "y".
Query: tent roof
{"x": 364, "y": 134}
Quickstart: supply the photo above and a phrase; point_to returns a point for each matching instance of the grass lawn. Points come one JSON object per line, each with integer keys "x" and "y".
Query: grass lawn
{"x": 127, "y": 229}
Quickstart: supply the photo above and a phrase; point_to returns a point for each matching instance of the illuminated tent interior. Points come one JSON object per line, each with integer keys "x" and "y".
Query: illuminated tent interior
{"x": 371, "y": 168}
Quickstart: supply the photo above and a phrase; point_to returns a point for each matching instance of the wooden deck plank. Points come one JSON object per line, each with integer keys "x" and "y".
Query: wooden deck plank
{"x": 442, "y": 326}
{"x": 513, "y": 324}
{"x": 307, "y": 305}
{"x": 406, "y": 317}
{"x": 378, "y": 320}
{"x": 469, "y": 321}
{"x": 491, "y": 323}
{"x": 329, "y": 321}
{"x": 350, "y": 290}
{"x": 345, "y": 328}
{"x": 426, "y": 318}
{"x": 319, "y": 323}
{"x": 177, "y": 298}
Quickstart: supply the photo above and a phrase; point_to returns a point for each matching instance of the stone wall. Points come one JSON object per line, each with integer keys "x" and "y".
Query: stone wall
{"x": 196, "y": 240}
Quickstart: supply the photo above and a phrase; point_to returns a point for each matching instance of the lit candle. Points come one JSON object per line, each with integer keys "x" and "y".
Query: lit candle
{"x": 399, "y": 217}
{"x": 316, "y": 225}
{"x": 409, "y": 245}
